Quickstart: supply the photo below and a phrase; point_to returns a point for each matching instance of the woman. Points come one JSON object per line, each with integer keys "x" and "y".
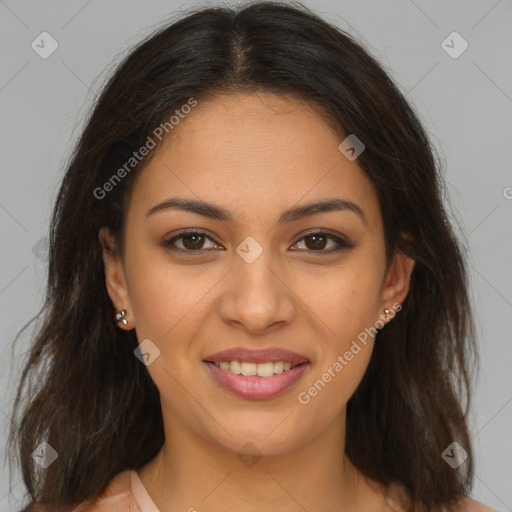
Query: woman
{"x": 255, "y": 300}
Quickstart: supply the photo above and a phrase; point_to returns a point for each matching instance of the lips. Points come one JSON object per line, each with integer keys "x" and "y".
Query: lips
{"x": 263, "y": 355}
{"x": 257, "y": 387}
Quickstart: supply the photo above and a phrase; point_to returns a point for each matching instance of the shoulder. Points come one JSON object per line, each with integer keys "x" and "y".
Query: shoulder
{"x": 398, "y": 499}
{"x": 471, "y": 505}
{"x": 115, "y": 497}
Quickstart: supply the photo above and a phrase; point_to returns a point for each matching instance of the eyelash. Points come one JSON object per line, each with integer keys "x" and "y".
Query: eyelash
{"x": 342, "y": 243}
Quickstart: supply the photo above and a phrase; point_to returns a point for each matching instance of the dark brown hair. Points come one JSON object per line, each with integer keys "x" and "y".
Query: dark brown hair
{"x": 95, "y": 403}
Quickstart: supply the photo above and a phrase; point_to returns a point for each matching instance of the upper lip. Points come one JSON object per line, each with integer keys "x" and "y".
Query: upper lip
{"x": 261, "y": 355}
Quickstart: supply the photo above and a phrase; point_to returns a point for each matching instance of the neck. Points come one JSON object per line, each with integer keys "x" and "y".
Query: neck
{"x": 191, "y": 471}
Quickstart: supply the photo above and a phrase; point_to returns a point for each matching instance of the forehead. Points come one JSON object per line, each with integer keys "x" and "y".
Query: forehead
{"x": 253, "y": 152}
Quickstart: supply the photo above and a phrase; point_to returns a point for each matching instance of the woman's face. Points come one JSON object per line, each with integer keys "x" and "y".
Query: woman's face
{"x": 255, "y": 280}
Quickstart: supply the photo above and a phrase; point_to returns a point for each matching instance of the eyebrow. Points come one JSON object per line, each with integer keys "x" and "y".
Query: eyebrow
{"x": 213, "y": 211}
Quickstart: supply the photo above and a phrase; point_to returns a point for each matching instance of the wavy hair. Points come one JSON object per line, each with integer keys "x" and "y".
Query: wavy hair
{"x": 83, "y": 391}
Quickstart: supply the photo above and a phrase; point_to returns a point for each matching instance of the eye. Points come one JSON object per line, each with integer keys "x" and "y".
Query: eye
{"x": 318, "y": 240}
{"x": 194, "y": 241}
{"x": 190, "y": 241}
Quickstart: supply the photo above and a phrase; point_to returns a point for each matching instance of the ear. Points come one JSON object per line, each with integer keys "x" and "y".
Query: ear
{"x": 397, "y": 281}
{"x": 115, "y": 279}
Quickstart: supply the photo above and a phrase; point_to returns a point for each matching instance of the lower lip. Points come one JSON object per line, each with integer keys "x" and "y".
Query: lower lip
{"x": 254, "y": 387}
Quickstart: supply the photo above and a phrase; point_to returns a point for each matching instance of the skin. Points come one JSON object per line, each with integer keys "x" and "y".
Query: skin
{"x": 255, "y": 155}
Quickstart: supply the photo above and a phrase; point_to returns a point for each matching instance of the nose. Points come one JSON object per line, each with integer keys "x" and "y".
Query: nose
{"x": 257, "y": 297}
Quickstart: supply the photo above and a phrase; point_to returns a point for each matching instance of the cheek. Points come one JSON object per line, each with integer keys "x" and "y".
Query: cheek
{"x": 344, "y": 308}
{"x": 344, "y": 301}
{"x": 325, "y": 395}
{"x": 166, "y": 298}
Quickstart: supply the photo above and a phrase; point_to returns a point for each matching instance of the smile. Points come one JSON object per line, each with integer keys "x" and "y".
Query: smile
{"x": 246, "y": 369}
{"x": 256, "y": 381}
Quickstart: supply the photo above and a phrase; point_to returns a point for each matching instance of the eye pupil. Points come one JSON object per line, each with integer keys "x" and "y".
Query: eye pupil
{"x": 192, "y": 246}
{"x": 316, "y": 238}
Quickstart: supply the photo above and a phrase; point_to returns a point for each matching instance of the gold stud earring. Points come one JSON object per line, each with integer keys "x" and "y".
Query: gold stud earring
{"x": 120, "y": 317}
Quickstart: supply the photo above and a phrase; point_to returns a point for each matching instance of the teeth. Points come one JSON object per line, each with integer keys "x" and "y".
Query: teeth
{"x": 250, "y": 369}
{"x": 265, "y": 369}
{"x": 278, "y": 367}
{"x": 234, "y": 367}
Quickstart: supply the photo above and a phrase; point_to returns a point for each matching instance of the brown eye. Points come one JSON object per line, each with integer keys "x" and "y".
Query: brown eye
{"x": 193, "y": 241}
{"x": 190, "y": 241}
{"x": 318, "y": 241}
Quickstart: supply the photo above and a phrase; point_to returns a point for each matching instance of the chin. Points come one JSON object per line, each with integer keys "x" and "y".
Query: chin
{"x": 261, "y": 434}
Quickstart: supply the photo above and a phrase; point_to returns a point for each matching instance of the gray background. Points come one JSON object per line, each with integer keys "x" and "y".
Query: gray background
{"x": 465, "y": 103}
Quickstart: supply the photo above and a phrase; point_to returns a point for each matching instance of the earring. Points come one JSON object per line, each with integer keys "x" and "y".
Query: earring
{"x": 387, "y": 312}
{"x": 120, "y": 317}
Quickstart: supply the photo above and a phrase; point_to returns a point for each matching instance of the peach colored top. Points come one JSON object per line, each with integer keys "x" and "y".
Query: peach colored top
{"x": 124, "y": 493}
